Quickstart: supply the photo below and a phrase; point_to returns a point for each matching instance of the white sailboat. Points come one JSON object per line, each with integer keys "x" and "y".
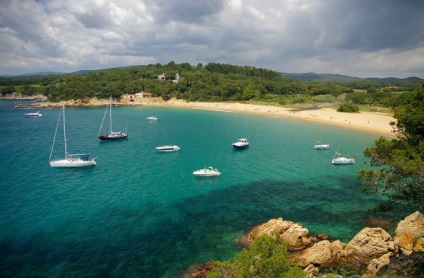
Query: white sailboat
{"x": 111, "y": 135}
{"x": 70, "y": 160}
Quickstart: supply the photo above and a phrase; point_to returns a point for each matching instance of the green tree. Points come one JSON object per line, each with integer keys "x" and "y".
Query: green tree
{"x": 8, "y": 90}
{"x": 267, "y": 257}
{"x": 400, "y": 162}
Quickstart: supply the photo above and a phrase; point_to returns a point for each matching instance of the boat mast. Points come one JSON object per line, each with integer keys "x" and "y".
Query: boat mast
{"x": 110, "y": 115}
{"x": 55, "y": 133}
{"x": 64, "y": 132}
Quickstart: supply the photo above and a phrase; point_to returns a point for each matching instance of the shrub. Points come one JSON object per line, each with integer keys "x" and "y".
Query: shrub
{"x": 265, "y": 258}
{"x": 348, "y": 107}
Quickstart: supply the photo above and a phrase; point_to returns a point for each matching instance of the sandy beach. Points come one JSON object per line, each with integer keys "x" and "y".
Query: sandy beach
{"x": 372, "y": 122}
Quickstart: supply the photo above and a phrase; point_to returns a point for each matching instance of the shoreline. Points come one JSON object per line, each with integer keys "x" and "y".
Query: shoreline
{"x": 371, "y": 122}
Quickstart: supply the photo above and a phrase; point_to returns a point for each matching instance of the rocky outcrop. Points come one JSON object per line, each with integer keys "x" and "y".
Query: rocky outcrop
{"x": 370, "y": 250}
{"x": 368, "y": 244}
{"x": 409, "y": 234}
{"x": 322, "y": 254}
{"x": 293, "y": 233}
{"x": 376, "y": 264}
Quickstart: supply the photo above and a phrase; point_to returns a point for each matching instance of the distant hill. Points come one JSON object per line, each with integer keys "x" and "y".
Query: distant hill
{"x": 328, "y": 77}
{"x": 318, "y": 77}
{"x": 308, "y": 76}
{"x": 394, "y": 79}
{"x": 34, "y": 74}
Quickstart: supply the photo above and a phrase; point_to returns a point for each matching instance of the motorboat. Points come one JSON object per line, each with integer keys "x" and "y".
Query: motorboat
{"x": 341, "y": 160}
{"x": 152, "y": 118}
{"x": 242, "y": 143}
{"x": 69, "y": 160}
{"x": 320, "y": 146}
{"x": 168, "y": 148}
{"x": 207, "y": 172}
{"x": 110, "y": 135}
{"x": 34, "y": 115}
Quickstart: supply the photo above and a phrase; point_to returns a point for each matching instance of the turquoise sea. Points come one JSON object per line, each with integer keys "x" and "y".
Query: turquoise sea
{"x": 140, "y": 213}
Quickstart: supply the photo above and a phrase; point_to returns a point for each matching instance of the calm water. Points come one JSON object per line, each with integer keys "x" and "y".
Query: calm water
{"x": 142, "y": 213}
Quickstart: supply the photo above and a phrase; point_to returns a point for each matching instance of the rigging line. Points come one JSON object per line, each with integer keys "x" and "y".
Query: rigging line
{"x": 55, "y": 133}
{"x": 104, "y": 116}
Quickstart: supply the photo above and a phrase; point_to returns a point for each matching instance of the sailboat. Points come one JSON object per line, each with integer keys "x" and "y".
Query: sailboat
{"x": 70, "y": 160}
{"x": 111, "y": 135}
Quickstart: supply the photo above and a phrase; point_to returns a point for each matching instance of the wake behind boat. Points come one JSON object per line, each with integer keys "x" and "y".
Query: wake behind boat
{"x": 207, "y": 172}
{"x": 168, "y": 148}
{"x": 70, "y": 160}
{"x": 34, "y": 115}
{"x": 111, "y": 135}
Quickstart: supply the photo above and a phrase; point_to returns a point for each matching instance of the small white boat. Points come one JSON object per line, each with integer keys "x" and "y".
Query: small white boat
{"x": 321, "y": 146}
{"x": 341, "y": 160}
{"x": 34, "y": 115}
{"x": 168, "y": 148}
{"x": 152, "y": 118}
{"x": 242, "y": 143}
{"x": 207, "y": 172}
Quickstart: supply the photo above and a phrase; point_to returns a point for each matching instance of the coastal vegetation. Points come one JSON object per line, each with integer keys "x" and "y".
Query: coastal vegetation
{"x": 348, "y": 107}
{"x": 266, "y": 257}
{"x": 398, "y": 170}
{"x": 212, "y": 82}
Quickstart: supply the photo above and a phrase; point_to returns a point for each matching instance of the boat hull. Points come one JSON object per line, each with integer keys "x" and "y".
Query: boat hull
{"x": 167, "y": 148}
{"x": 71, "y": 163}
{"x": 240, "y": 147}
{"x": 113, "y": 137}
{"x": 322, "y": 147}
{"x": 33, "y": 115}
{"x": 343, "y": 161}
{"x": 201, "y": 174}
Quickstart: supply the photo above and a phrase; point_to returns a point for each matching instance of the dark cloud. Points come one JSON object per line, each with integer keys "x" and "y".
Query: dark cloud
{"x": 187, "y": 11}
{"x": 359, "y": 38}
{"x": 375, "y": 25}
{"x": 97, "y": 19}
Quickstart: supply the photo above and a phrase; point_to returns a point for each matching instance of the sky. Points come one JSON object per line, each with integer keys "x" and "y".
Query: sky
{"x": 361, "y": 38}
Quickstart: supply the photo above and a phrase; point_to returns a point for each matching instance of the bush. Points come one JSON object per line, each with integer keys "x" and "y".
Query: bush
{"x": 348, "y": 107}
{"x": 265, "y": 258}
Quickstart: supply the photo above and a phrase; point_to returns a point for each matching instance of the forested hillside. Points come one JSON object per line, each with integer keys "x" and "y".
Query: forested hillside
{"x": 212, "y": 82}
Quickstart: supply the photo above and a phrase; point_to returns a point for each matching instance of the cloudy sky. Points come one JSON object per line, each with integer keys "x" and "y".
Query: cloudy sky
{"x": 363, "y": 38}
